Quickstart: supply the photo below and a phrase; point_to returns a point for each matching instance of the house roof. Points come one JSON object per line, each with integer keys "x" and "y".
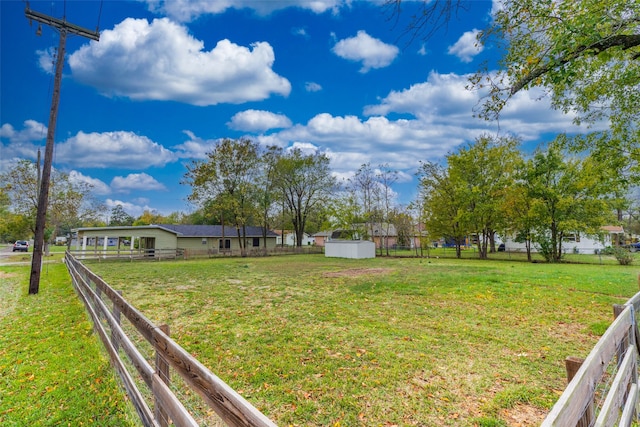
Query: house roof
{"x": 613, "y": 229}
{"x": 185, "y": 230}
{"x": 213, "y": 230}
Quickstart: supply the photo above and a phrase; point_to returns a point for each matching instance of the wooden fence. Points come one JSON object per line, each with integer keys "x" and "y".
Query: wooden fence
{"x": 98, "y": 254}
{"x": 603, "y": 389}
{"x": 135, "y": 369}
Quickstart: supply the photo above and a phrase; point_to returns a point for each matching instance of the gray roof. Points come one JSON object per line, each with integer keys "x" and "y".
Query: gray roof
{"x": 183, "y": 230}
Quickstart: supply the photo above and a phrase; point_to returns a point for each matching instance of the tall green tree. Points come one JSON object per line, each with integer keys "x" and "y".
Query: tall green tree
{"x": 226, "y": 181}
{"x": 306, "y": 183}
{"x": 443, "y": 206}
{"x": 569, "y": 196}
{"x": 485, "y": 171}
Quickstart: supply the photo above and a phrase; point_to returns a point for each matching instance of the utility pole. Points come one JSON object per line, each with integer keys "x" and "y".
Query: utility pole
{"x": 43, "y": 196}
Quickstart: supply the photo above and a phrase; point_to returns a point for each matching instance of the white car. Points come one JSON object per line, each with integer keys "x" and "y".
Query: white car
{"x": 21, "y": 245}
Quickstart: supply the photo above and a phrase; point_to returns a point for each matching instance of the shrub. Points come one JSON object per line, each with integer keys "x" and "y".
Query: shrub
{"x": 623, "y": 256}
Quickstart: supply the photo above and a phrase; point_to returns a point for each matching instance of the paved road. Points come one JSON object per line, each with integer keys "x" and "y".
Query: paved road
{"x": 6, "y": 252}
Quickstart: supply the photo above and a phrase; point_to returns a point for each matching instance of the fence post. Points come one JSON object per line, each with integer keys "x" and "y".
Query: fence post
{"x": 162, "y": 369}
{"x": 572, "y": 364}
{"x": 116, "y": 315}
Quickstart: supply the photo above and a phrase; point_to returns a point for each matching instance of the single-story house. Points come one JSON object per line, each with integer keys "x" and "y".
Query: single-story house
{"x": 321, "y": 238}
{"x": 577, "y": 243}
{"x": 209, "y": 238}
{"x": 290, "y": 238}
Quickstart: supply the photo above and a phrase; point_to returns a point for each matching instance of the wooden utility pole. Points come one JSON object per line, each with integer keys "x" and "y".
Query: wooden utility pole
{"x": 43, "y": 196}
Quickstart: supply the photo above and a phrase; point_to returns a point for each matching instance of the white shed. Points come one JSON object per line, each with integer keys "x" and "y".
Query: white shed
{"x": 350, "y": 249}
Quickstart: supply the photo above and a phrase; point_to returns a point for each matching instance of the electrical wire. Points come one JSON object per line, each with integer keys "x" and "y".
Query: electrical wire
{"x": 99, "y": 16}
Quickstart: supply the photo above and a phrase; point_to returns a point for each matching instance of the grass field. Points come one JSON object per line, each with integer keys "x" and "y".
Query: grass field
{"x": 313, "y": 341}
{"x": 52, "y": 369}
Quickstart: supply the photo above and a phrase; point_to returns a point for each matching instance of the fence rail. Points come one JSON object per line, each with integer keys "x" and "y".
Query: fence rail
{"x": 111, "y": 254}
{"x": 231, "y": 408}
{"x": 603, "y": 391}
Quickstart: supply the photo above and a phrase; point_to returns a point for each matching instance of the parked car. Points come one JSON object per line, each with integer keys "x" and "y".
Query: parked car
{"x": 501, "y": 248}
{"x": 21, "y": 245}
{"x": 634, "y": 247}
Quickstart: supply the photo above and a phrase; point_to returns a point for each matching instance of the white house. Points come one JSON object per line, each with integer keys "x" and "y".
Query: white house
{"x": 576, "y": 243}
{"x": 290, "y": 238}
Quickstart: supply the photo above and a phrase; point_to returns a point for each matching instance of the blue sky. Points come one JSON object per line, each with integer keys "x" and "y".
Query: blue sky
{"x": 170, "y": 78}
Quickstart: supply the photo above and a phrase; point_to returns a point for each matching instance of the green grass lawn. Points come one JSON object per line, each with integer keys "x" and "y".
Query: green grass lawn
{"x": 53, "y": 371}
{"x": 312, "y": 341}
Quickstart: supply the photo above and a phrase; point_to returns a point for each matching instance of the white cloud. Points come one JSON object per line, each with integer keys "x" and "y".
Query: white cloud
{"x": 373, "y": 53}
{"x": 350, "y": 141}
{"x": 305, "y": 148}
{"x": 32, "y": 131}
{"x": 136, "y": 182}
{"x": 97, "y": 186}
{"x": 301, "y": 31}
{"x": 120, "y": 149}
{"x": 467, "y": 46}
{"x": 444, "y": 100}
{"x": 22, "y": 143}
{"x": 162, "y": 61}
{"x": 195, "y": 148}
{"x": 312, "y": 87}
{"x": 258, "y": 120}
{"x": 188, "y": 10}
{"x": 436, "y": 119}
{"x": 47, "y": 60}
{"x": 134, "y": 209}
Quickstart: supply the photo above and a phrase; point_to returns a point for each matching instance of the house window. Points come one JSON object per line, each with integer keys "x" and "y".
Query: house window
{"x": 571, "y": 237}
{"x": 204, "y": 240}
{"x": 225, "y": 243}
{"x": 256, "y": 242}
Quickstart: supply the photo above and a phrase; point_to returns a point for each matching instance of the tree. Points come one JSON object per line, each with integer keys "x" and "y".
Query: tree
{"x": 149, "y": 217}
{"x": 305, "y": 182}
{"x": 226, "y": 182}
{"x": 568, "y": 196}
{"x": 485, "y": 172}
{"x": 266, "y": 190}
{"x": 519, "y": 220}
{"x": 363, "y": 187}
{"x": 443, "y": 204}
{"x": 385, "y": 179}
{"x": 71, "y": 203}
{"x": 119, "y": 217}
{"x": 585, "y": 55}
{"x": 346, "y": 214}
{"x": 404, "y": 224}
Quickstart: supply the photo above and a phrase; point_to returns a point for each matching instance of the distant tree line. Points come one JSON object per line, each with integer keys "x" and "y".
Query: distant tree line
{"x": 485, "y": 189}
